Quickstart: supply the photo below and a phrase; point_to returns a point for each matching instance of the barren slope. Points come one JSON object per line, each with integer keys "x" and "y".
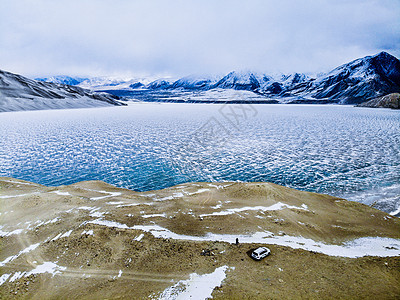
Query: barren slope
{"x": 92, "y": 240}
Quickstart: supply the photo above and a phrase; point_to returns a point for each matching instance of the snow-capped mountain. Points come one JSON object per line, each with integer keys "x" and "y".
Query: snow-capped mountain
{"x": 355, "y": 82}
{"x": 194, "y": 82}
{"x": 63, "y": 79}
{"x": 21, "y": 93}
{"x": 239, "y": 81}
{"x": 351, "y": 83}
{"x": 159, "y": 84}
{"x": 97, "y": 83}
{"x": 100, "y": 83}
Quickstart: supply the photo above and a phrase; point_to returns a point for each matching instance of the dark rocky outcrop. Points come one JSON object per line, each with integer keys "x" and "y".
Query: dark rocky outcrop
{"x": 388, "y": 101}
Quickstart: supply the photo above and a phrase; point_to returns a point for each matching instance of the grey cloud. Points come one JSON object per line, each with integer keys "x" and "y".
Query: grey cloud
{"x": 45, "y": 37}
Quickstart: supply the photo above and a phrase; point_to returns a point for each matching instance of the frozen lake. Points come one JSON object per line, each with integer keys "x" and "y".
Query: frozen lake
{"x": 339, "y": 150}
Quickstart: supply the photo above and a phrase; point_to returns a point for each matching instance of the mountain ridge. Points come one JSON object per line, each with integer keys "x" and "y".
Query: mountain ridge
{"x": 352, "y": 83}
{"x": 20, "y": 93}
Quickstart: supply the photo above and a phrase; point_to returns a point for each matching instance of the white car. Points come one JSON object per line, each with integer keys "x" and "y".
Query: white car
{"x": 260, "y": 253}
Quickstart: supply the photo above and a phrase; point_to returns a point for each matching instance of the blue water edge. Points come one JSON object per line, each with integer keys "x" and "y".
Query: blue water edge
{"x": 339, "y": 150}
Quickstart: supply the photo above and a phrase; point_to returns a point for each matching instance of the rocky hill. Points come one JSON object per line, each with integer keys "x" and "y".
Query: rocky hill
{"x": 388, "y": 101}
{"x": 21, "y": 93}
{"x": 93, "y": 240}
{"x": 354, "y": 82}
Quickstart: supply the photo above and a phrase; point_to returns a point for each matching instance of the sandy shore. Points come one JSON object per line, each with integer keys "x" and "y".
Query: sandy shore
{"x": 92, "y": 240}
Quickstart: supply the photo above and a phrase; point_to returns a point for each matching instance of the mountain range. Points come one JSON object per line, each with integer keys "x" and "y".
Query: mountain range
{"x": 21, "y": 93}
{"x": 352, "y": 83}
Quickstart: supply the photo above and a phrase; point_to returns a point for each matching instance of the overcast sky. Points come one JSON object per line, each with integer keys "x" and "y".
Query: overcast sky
{"x": 126, "y": 38}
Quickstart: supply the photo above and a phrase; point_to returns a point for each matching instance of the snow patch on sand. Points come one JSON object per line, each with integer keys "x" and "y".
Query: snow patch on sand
{"x": 139, "y": 237}
{"x": 26, "y": 250}
{"x": 46, "y": 267}
{"x": 61, "y": 193}
{"x": 109, "y": 224}
{"x": 110, "y": 194}
{"x": 18, "y": 182}
{"x": 62, "y": 235}
{"x": 134, "y": 204}
{"x": 3, "y": 278}
{"x": 276, "y": 206}
{"x": 86, "y": 207}
{"x": 154, "y": 216}
{"x": 366, "y": 246}
{"x": 97, "y": 214}
{"x": 115, "y": 202}
{"x": 196, "y": 287}
{"x": 15, "y": 196}
{"x": 87, "y": 232}
{"x": 8, "y": 233}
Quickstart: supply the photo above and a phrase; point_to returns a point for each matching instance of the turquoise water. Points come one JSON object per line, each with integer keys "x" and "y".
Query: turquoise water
{"x": 339, "y": 150}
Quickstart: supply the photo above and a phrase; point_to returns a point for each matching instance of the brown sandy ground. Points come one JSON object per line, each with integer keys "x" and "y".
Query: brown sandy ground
{"x": 149, "y": 265}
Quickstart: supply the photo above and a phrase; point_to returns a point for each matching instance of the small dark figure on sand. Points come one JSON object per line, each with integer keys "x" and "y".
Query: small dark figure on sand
{"x": 237, "y": 241}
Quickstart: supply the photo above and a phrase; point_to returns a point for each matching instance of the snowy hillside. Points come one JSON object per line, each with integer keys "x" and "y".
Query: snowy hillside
{"x": 63, "y": 79}
{"x": 194, "y": 82}
{"x": 239, "y": 81}
{"x": 21, "y": 93}
{"x": 361, "y": 79}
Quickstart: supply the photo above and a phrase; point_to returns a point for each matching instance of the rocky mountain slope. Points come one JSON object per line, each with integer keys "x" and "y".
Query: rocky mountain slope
{"x": 93, "y": 240}
{"x": 361, "y": 79}
{"x": 388, "y": 101}
{"x": 351, "y": 83}
{"x": 21, "y": 93}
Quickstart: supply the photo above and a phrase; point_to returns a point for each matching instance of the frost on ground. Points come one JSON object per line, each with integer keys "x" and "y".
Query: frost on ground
{"x": 197, "y": 287}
